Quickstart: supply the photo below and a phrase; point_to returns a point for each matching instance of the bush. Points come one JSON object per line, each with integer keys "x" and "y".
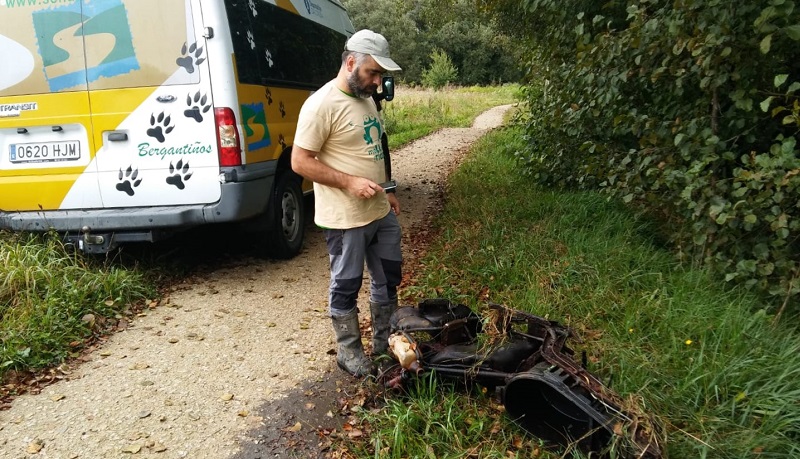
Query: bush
{"x": 441, "y": 72}
{"x": 689, "y": 108}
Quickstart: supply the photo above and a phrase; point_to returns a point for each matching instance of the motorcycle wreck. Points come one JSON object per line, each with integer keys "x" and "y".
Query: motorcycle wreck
{"x": 525, "y": 359}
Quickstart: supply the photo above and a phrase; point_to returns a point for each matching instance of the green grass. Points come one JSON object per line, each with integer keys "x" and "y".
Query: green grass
{"x": 415, "y": 113}
{"x": 707, "y": 361}
{"x": 52, "y": 301}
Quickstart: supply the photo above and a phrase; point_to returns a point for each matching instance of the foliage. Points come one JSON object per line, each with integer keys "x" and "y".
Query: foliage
{"x": 52, "y": 300}
{"x": 688, "y": 107}
{"x": 703, "y": 358}
{"x": 441, "y": 73}
{"x": 436, "y": 422}
{"x": 417, "y": 28}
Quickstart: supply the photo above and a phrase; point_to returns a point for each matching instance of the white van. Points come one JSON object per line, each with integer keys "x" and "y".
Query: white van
{"x": 129, "y": 120}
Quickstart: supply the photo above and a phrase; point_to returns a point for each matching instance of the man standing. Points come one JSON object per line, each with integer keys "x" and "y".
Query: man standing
{"x": 338, "y": 147}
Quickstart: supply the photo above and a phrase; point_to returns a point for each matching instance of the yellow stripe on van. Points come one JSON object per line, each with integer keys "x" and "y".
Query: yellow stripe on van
{"x": 35, "y": 191}
{"x": 34, "y": 187}
{"x": 287, "y": 5}
{"x": 112, "y": 106}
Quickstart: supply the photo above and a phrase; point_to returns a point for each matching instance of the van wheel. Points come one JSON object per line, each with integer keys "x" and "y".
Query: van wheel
{"x": 289, "y": 220}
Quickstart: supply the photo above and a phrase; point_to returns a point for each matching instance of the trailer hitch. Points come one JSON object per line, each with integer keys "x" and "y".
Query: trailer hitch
{"x": 526, "y": 360}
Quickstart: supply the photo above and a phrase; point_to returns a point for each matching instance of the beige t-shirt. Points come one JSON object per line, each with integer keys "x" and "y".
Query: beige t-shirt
{"x": 346, "y": 132}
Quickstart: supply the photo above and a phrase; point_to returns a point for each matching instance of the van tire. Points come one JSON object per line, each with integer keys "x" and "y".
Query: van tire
{"x": 285, "y": 237}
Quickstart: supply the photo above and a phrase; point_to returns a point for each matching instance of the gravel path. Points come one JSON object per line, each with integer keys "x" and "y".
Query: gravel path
{"x": 201, "y": 375}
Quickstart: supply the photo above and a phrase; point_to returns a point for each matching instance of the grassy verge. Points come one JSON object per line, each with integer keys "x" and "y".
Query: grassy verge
{"x": 415, "y": 113}
{"x": 706, "y": 360}
{"x": 52, "y": 301}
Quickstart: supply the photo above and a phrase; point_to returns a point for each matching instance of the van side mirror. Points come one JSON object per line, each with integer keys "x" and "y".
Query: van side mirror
{"x": 387, "y": 90}
{"x": 388, "y": 87}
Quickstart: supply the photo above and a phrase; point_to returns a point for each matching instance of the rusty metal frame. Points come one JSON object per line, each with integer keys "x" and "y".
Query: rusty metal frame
{"x": 526, "y": 359}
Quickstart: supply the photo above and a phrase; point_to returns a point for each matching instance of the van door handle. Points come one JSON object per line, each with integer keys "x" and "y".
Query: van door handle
{"x": 117, "y": 137}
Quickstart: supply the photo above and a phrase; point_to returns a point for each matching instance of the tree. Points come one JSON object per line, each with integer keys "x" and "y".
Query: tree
{"x": 415, "y": 28}
{"x": 441, "y": 73}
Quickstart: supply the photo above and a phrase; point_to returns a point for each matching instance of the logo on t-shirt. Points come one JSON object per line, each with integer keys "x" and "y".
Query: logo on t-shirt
{"x": 373, "y": 126}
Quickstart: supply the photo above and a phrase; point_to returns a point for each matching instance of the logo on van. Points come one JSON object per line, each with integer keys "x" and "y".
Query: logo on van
{"x": 255, "y": 119}
{"x": 312, "y": 8}
{"x": 100, "y": 27}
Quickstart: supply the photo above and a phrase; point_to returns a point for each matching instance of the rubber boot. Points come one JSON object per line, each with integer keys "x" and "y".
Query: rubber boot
{"x": 350, "y": 353}
{"x": 381, "y": 312}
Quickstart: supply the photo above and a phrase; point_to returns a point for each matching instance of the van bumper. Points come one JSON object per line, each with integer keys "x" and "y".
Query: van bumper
{"x": 238, "y": 201}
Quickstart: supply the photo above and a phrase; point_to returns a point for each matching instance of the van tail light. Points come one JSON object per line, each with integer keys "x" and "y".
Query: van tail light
{"x": 230, "y": 153}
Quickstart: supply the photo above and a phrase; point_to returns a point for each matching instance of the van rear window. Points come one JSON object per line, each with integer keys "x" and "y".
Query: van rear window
{"x": 75, "y": 45}
{"x": 279, "y": 48}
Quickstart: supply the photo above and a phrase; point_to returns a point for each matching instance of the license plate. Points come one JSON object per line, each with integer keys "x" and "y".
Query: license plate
{"x": 45, "y": 152}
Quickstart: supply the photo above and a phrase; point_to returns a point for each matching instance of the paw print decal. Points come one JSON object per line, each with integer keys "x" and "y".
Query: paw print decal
{"x": 268, "y": 55}
{"x": 282, "y": 141}
{"x": 268, "y": 93}
{"x": 128, "y": 180}
{"x": 251, "y": 40}
{"x": 253, "y": 8}
{"x": 179, "y": 173}
{"x": 197, "y": 106}
{"x": 159, "y": 126}
{"x": 282, "y": 108}
{"x": 190, "y": 57}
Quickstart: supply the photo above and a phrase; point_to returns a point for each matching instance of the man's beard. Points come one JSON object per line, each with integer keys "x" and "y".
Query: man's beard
{"x": 355, "y": 86}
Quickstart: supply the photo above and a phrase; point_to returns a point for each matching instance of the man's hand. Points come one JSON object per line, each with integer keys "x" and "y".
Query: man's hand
{"x": 394, "y": 203}
{"x": 363, "y": 188}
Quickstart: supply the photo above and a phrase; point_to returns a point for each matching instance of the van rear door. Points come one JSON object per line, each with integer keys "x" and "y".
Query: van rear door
{"x": 151, "y": 104}
{"x": 45, "y": 124}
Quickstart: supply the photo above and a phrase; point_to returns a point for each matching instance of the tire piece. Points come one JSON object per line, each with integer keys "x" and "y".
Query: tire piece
{"x": 285, "y": 238}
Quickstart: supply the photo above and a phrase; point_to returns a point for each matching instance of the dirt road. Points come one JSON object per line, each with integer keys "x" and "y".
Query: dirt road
{"x": 240, "y": 362}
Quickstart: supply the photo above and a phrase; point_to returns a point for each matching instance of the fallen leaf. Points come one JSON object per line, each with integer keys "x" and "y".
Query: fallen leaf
{"x": 226, "y": 397}
{"x": 144, "y": 414}
{"x": 310, "y": 406}
{"x": 35, "y": 446}
{"x": 355, "y": 433}
{"x": 243, "y": 413}
{"x": 294, "y": 428}
{"x": 517, "y": 442}
{"x": 57, "y": 397}
{"x": 132, "y": 449}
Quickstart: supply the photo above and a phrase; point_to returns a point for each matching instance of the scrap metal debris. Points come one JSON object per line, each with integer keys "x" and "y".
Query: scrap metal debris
{"x": 525, "y": 358}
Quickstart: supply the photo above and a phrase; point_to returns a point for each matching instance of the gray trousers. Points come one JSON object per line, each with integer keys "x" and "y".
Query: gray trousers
{"x": 377, "y": 243}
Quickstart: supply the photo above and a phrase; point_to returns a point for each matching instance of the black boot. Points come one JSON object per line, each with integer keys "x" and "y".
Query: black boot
{"x": 381, "y": 312}
{"x": 350, "y": 353}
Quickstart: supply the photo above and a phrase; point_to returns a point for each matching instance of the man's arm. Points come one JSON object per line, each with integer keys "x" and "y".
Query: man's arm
{"x": 304, "y": 162}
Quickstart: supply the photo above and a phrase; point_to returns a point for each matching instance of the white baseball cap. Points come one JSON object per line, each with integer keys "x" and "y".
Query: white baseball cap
{"x": 368, "y": 42}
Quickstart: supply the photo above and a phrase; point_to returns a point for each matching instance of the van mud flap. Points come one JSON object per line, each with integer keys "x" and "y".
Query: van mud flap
{"x": 525, "y": 359}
